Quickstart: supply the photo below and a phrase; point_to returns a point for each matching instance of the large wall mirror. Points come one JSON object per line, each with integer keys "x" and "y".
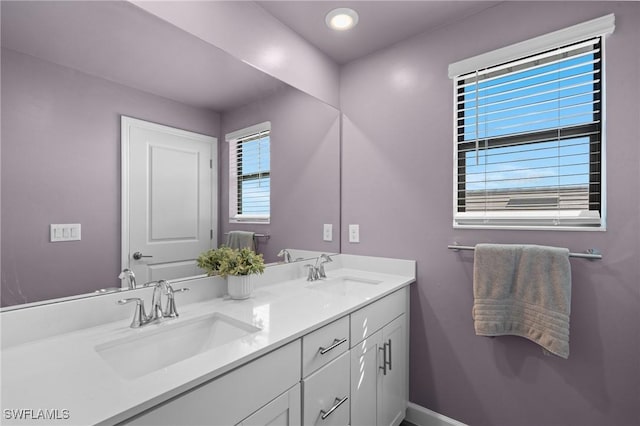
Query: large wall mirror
{"x": 70, "y": 70}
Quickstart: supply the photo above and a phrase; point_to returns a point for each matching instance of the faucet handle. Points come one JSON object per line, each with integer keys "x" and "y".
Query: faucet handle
{"x": 170, "y": 310}
{"x": 322, "y": 259}
{"x": 313, "y": 272}
{"x": 139, "y": 315}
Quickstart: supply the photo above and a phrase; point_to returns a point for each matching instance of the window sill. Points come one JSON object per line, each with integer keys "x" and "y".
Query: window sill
{"x": 569, "y": 220}
{"x": 251, "y": 220}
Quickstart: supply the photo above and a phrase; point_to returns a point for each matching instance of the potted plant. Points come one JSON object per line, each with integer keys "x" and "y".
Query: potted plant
{"x": 236, "y": 265}
{"x": 210, "y": 260}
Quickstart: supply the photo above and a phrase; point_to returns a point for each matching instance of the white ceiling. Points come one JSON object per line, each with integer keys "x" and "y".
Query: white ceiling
{"x": 381, "y": 23}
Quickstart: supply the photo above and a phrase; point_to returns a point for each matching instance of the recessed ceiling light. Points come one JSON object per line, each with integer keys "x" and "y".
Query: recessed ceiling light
{"x": 342, "y": 19}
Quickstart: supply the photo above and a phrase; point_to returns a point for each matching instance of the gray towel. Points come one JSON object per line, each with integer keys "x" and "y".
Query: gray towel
{"x": 241, "y": 239}
{"x": 523, "y": 290}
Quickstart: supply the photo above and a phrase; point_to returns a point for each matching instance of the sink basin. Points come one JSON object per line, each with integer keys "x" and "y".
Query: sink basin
{"x": 157, "y": 346}
{"x": 343, "y": 285}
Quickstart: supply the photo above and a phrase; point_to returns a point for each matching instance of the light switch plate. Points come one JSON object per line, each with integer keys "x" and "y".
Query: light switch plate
{"x": 65, "y": 232}
{"x": 327, "y": 232}
{"x": 354, "y": 233}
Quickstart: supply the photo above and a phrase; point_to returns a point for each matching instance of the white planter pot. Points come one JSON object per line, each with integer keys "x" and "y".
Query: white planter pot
{"x": 239, "y": 286}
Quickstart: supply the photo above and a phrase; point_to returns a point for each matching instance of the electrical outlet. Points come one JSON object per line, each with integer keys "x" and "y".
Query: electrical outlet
{"x": 354, "y": 233}
{"x": 327, "y": 233}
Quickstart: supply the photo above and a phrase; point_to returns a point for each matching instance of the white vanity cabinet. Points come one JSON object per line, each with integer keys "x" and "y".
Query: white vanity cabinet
{"x": 379, "y": 362}
{"x": 229, "y": 399}
{"x": 353, "y": 370}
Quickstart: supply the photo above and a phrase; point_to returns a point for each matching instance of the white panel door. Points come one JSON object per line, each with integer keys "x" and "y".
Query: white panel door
{"x": 169, "y": 199}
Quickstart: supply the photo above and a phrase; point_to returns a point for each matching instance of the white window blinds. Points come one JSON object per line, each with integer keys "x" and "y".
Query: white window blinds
{"x": 249, "y": 174}
{"x": 528, "y": 145}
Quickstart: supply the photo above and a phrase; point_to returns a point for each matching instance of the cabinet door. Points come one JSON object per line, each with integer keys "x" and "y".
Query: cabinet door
{"x": 282, "y": 411}
{"x": 364, "y": 380}
{"x": 393, "y": 402}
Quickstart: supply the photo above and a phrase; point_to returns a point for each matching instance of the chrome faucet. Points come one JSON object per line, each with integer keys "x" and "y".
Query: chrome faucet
{"x": 130, "y": 276}
{"x": 160, "y": 287}
{"x": 284, "y": 253}
{"x": 316, "y": 271}
{"x": 324, "y": 258}
{"x": 140, "y": 317}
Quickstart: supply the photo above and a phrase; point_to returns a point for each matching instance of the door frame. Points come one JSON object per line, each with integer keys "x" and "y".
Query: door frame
{"x": 125, "y": 124}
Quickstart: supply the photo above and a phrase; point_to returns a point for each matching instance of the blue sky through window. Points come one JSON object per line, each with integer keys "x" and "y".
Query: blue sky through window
{"x": 556, "y": 163}
{"x": 541, "y": 97}
{"x": 255, "y": 179}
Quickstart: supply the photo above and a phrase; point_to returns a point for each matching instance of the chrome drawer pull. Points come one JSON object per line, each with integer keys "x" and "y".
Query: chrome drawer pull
{"x": 338, "y": 402}
{"x": 336, "y": 343}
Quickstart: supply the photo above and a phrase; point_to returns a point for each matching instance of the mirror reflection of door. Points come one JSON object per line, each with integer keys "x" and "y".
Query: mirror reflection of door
{"x": 169, "y": 199}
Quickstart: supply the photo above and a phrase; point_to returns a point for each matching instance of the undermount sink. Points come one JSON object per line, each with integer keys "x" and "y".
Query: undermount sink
{"x": 343, "y": 285}
{"x": 157, "y": 346}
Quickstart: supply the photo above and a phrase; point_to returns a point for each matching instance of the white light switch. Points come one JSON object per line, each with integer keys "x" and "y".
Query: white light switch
{"x": 327, "y": 233}
{"x": 65, "y": 232}
{"x": 354, "y": 233}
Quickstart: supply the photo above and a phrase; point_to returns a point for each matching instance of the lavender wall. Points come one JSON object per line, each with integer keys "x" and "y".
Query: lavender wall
{"x": 61, "y": 164}
{"x": 305, "y": 175}
{"x": 269, "y": 46}
{"x": 397, "y": 184}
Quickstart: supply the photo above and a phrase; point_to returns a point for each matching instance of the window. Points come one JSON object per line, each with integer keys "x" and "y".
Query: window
{"x": 528, "y": 139}
{"x": 249, "y": 174}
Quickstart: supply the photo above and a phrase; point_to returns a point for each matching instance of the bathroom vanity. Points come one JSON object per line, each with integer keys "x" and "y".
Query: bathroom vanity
{"x": 332, "y": 352}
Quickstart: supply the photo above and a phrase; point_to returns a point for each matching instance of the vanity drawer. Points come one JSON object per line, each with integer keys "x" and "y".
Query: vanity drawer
{"x": 325, "y": 389}
{"x": 324, "y": 345}
{"x": 371, "y": 318}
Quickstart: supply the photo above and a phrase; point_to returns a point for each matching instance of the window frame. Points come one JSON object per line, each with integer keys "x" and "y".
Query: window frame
{"x": 235, "y": 184}
{"x": 549, "y": 219}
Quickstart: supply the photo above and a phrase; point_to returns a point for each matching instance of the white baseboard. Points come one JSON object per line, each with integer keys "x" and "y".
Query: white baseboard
{"x": 421, "y": 416}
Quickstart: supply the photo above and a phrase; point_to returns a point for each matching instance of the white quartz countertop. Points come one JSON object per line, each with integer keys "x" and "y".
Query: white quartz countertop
{"x": 66, "y": 375}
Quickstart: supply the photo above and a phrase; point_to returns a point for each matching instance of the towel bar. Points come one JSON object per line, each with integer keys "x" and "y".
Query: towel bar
{"x": 267, "y": 236}
{"x": 591, "y": 254}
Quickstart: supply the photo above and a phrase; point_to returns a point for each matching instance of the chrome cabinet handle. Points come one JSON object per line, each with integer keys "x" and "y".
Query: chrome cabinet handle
{"x": 336, "y": 343}
{"x": 385, "y": 362}
{"x": 338, "y": 402}
{"x": 137, "y": 255}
